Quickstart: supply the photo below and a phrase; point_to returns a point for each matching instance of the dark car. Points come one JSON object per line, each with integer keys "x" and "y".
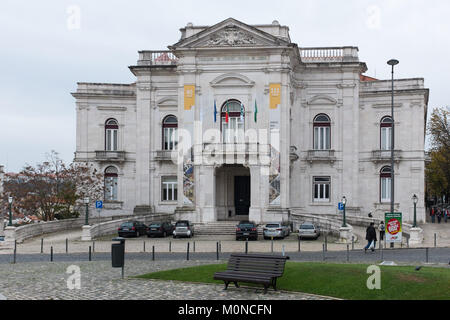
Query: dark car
{"x": 132, "y": 228}
{"x": 246, "y": 230}
{"x": 160, "y": 229}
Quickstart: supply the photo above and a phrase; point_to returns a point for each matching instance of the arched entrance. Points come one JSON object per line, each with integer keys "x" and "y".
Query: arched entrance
{"x": 233, "y": 192}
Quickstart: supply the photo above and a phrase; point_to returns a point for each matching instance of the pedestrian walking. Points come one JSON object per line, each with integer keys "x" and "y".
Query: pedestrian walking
{"x": 382, "y": 229}
{"x": 445, "y": 215}
{"x": 371, "y": 237}
{"x": 439, "y": 215}
{"x": 433, "y": 215}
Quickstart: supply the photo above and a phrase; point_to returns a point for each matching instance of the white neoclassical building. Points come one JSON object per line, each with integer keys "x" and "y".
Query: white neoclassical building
{"x": 237, "y": 121}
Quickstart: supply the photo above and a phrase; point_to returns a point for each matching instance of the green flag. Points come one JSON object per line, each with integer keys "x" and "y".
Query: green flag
{"x": 256, "y": 112}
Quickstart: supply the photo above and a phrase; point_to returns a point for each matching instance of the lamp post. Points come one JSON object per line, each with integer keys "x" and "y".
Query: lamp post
{"x": 86, "y": 202}
{"x": 344, "y": 202}
{"x": 392, "y": 63}
{"x": 415, "y": 200}
{"x": 10, "y": 201}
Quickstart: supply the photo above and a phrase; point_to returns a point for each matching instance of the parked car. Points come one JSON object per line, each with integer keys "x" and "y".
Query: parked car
{"x": 160, "y": 229}
{"x": 309, "y": 230}
{"x": 246, "y": 230}
{"x": 183, "y": 228}
{"x": 132, "y": 228}
{"x": 276, "y": 230}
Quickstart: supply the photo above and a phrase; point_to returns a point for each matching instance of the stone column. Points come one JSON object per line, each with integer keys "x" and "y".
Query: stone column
{"x": 207, "y": 194}
{"x": 258, "y": 193}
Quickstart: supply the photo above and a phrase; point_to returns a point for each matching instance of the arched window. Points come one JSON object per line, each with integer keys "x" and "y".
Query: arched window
{"x": 385, "y": 184}
{"x": 386, "y": 133}
{"x": 170, "y": 133}
{"x": 232, "y": 124}
{"x": 111, "y": 135}
{"x": 322, "y": 132}
{"x": 111, "y": 182}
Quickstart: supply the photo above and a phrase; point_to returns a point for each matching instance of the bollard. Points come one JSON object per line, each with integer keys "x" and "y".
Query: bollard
{"x": 246, "y": 246}
{"x": 187, "y": 252}
{"x": 323, "y": 252}
{"x": 348, "y": 252}
{"x": 144, "y": 246}
{"x": 427, "y": 255}
{"x": 407, "y": 243}
{"x": 272, "y": 245}
{"x": 42, "y": 245}
{"x": 15, "y": 244}
{"x": 326, "y": 242}
{"x": 90, "y": 253}
{"x": 299, "y": 246}
{"x": 93, "y": 246}
{"x": 283, "y": 254}
{"x": 435, "y": 240}
{"x": 194, "y": 246}
{"x": 217, "y": 251}
{"x": 381, "y": 252}
{"x": 170, "y": 246}
{"x": 153, "y": 253}
{"x": 353, "y": 243}
{"x": 51, "y": 254}
{"x": 67, "y": 245}
{"x": 14, "y": 256}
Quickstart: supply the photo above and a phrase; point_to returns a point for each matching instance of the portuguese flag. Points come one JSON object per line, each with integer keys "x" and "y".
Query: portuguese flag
{"x": 256, "y": 112}
{"x": 227, "y": 115}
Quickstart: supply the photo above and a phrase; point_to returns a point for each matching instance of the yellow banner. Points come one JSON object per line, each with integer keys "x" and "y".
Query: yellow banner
{"x": 275, "y": 95}
{"x": 189, "y": 97}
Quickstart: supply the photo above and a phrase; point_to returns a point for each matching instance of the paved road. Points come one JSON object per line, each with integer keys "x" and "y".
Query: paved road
{"x": 401, "y": 256}
{"x": 98, "y": 281}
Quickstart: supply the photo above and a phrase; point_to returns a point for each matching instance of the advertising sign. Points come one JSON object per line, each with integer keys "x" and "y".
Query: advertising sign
{"x": 394, "y": 227}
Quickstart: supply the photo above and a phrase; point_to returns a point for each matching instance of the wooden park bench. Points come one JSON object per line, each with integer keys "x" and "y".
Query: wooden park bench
{"x": 253, "y": 268}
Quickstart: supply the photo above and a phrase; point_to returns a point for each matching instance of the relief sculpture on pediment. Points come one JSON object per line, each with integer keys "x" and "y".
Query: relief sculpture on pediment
{"x": 230, "y": 36}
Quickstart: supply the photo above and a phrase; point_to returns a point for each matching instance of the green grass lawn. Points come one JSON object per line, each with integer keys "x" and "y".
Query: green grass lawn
{"x": 346, "y": 281}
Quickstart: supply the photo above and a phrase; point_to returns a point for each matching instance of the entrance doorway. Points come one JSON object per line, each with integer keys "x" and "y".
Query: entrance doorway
{"x": 233, "y": 192}
{"x": 242, "y": 195}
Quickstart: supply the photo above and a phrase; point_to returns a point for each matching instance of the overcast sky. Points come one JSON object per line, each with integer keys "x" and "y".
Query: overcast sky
{"x": 45, "y": 51}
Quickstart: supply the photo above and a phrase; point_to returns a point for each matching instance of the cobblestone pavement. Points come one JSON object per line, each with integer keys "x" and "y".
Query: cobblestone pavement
{"x": 48, "y": 281}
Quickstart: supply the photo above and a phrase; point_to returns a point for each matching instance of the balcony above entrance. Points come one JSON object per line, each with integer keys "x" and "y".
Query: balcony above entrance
{"x": 109, "y": 156}
{"x": 385, "y": 156}
{"x": 231, "y": 153}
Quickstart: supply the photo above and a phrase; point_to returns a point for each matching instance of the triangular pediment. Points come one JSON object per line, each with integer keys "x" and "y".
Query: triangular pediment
{"x": 230, "y": 33}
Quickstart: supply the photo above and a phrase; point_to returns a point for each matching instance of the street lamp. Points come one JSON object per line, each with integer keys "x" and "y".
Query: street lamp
{"x": 86, "y": 202}
{"x": 415, "y": 200}
{"x": 10, "y": 201}
{"x": 344, "y": 202}
{"x": 392, "y": 63}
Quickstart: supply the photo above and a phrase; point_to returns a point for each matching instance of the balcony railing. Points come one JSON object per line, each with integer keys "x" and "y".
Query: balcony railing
{"x": 165, "y": 155}
{"x": 157, "y": 58}
{"x": 321, "y": 155}
{"x": 230, "y": 153}
{"x": 110, "y": 155}
{"x": 385, "y": 155}
{"x": 330, "y": 54}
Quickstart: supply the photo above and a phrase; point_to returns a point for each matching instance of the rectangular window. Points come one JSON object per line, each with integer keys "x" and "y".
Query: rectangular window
{"x": 233, "y": 131}
{"x": 111, "y": 140}
{"x": 385, "y": 190}
{"x": 170, "y": 138}
{"x": 169, "y": 188}
{"x": 111, "y": 188}
{"x": 386, "y": 136}
{"x": 322, "y": 138}
{"x": 321, "y": 189}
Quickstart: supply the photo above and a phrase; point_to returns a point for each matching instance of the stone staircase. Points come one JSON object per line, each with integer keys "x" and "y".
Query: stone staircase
{"x": 222, "y": 228}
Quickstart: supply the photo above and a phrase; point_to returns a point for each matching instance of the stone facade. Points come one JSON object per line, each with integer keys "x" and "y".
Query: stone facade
{"x": 306, "y": 129}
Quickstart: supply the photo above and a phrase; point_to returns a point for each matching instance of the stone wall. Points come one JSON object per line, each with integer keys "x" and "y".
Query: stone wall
{"x": 97, "y": 230}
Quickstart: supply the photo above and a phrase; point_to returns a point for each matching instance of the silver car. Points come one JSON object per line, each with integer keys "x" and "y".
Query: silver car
{"x": 309, "y": 230}
{"x": 276, "y": 230}
{"x": 183, "y": 228}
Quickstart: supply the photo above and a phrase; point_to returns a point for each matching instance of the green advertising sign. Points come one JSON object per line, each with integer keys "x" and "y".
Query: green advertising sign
{"x": 394, "y": 227}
